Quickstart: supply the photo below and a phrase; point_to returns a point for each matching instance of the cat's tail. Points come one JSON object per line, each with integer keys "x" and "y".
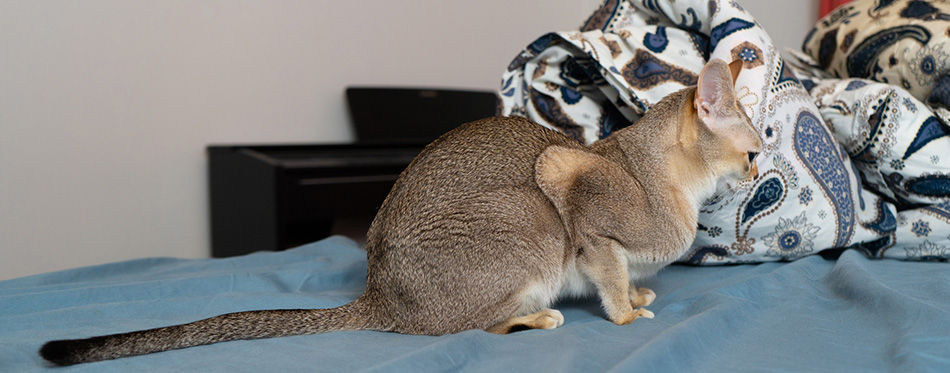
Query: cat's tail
{"x": 228, "y": 327}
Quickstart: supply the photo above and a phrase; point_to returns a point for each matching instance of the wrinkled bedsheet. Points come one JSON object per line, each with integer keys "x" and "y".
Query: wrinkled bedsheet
{"x": 813, "y": 314}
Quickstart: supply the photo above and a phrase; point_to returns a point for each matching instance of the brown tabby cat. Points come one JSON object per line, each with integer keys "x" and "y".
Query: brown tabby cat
{"x": 498, "y": 218}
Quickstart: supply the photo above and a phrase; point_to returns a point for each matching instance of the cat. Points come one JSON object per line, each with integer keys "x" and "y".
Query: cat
{"x": 498, "y": 218}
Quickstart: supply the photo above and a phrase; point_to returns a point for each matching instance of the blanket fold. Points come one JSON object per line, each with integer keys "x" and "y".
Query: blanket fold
{"x": 814, "y": 193}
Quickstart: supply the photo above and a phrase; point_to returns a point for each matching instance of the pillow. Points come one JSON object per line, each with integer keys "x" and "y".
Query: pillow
{"x": 630, "y": 54}
{"x": 899, "y": 42}
{"x": 901, "y": 150}
{"x": 900, "y": 147}
{"x": 921, "y": 235}
{"x": 568, "y": 81}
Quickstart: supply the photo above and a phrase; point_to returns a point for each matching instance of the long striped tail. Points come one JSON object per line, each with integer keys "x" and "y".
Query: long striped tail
{"x": 227, "y": 327}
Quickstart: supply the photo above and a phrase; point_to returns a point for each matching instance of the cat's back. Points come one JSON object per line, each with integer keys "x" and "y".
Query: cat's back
{"x": 490, "y": 153}
{"x": 480, "y": 171}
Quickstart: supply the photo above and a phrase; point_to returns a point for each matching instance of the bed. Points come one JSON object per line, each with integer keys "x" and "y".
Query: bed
{"x": 814, "y": 314}
{"x": 833, "y": 260}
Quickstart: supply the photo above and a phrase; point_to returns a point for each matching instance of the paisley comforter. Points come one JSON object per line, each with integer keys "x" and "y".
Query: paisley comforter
{"x": 815, "y": 193}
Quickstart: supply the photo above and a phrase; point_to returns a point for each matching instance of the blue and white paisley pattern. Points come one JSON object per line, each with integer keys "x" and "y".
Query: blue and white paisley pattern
{"x": 940, "y": 210}
{"x": 893, "y": 147}
{"x": 863, "y": 149}
{"x": 923, "y": 10}
{"x": 692, "y": 22}
{"x": 731, "y": 26}
{"x": 819, "y": 152}
{"x": 885, "y": 222}
{"x": 895, "y": 128}
{"x": 766, "y": 195}
{"x": 899, "y": 42}
{"x": 935, "y": 186}
{"x": 602, "y": 17}
{"x": 700, "y": 255}
{"x": 647, "y": 71}
{"x": 792, "y": 238}
{"x": 785, "y": 167}
{"x": 928, "y": 251}
{"x": 656, "y": 42}
{"x": 923, "y": 234}
{"x": 700, "y": 44}
{"x": 929, "y": 65}
{"x": 550, "y": 108}
{"x": 940, "y": 96}
{"x": 862, "y": 61}
{"x": 653, "y": 5}
{"x": 921, "y": 228}
{"x": 805, "y": 196}
{"x": 931, "y": 129}
{"x": 855, "y": 84}
{"x": 783, "y": 78}
{"x": 809, "y": 196}
{"x": 749, "y": 53}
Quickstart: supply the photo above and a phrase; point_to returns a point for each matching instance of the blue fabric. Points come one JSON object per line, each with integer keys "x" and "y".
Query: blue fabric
{"x": 849, "y": 314}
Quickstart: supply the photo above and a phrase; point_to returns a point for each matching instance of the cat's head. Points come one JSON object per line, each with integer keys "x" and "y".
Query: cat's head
{"x": 728, "y": 141}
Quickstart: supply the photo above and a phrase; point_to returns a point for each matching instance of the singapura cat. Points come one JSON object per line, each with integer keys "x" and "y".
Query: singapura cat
{"x": 496, "y": 219}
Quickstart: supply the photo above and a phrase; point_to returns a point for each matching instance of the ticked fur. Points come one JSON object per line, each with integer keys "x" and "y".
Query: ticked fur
{"x": 634, "y": 197}
{"x": 497, "y": 219}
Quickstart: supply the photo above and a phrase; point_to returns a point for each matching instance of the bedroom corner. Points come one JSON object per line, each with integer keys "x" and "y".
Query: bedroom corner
{"x": 106, "y": 107}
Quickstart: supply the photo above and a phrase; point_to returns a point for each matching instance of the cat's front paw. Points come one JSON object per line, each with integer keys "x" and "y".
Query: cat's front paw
{"x": 633, "y": 315}
{"x": 641, "y": 297}
{"x": 644, "y": 313}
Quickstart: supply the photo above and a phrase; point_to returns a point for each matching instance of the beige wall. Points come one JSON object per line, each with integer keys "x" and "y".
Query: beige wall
{"x": 106, "y": 105}
{"x": 786, "y": 21}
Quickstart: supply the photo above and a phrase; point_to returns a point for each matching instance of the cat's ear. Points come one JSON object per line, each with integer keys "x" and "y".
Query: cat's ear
{"x": 735, "y": 67}
{"x": 716, "y": 92}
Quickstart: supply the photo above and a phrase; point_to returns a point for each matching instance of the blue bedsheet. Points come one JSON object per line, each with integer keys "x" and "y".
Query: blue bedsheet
{"x": 849, "y": 314}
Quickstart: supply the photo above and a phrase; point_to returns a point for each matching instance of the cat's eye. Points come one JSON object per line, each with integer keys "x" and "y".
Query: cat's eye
{"x": 752, "y": 156}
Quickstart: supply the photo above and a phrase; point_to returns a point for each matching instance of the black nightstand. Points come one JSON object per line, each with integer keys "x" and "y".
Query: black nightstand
{"x": 274, "y": 197}
{"x": 281, "y": 196}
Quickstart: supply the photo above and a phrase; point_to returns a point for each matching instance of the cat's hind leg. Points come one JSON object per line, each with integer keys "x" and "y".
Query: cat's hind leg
{"x": 544, "y": 319}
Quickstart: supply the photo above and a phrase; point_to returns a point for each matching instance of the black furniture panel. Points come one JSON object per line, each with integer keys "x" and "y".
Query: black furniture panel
{"x": 278, "y": 197}
{"x": 274, "y": 197}
{"x": 413, "y": 116}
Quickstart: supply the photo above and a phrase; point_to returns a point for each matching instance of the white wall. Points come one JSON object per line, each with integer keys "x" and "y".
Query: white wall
{"x": 787, "y": 22}
{"x": 106, "y": 105}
